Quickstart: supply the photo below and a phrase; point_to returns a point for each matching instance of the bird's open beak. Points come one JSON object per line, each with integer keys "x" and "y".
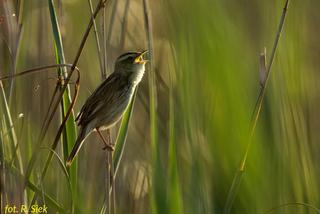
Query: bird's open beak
{"x": 139, "y": 59}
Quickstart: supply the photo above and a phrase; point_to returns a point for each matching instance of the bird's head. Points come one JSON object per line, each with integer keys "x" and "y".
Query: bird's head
{"x": 132, "y": 64}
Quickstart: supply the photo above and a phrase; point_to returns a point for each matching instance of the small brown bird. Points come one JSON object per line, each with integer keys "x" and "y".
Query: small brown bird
{"x": 109, "y": 101}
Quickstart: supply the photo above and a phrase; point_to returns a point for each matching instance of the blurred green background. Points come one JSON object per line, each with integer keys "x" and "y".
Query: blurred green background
{"x": 206, "y": 66}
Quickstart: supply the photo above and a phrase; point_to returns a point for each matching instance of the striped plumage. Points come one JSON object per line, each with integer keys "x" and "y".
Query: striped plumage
{"x": 109, "y": 101}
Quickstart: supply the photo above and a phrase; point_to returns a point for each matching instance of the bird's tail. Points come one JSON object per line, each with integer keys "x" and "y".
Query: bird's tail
{"x": 84, "y": 132}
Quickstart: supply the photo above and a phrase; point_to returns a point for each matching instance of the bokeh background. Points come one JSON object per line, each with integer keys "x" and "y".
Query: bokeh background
{"x": 206, "y": 70}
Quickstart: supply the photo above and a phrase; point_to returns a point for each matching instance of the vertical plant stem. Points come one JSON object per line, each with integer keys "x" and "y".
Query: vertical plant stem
{"x": 110, "y": 190}
{"x": 112, "y": 202}
{"x": 10, "y": 129}
{"x": 256, "y": 113}
{"x": 156, "y": 197}
{"x": 109, "y": 179}
{"x": 108, "y": 176}
{"x": 104, "y": 31}
{"x": 112, "y": 20}
{"x": 14, "y": 145}
{"x": 264, "y": 86}
{"x": 14, "y": 40}
{"x": 173, "y": 188}
{"x": 152, "y": 78}
{"x": 3, "y": 190}
{"x": 13, "y": 43}
{"x": 96, "y": 35}
{"x": 70, "y": 129}
{"x": 124, "y": 24}
{"x": 20, "y": 12}
{"x": 122, "y": 134}
{"x": 108, "y": 185}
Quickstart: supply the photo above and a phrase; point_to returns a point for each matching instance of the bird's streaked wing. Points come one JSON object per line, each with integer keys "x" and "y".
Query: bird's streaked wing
{"x": 102, "y": 97}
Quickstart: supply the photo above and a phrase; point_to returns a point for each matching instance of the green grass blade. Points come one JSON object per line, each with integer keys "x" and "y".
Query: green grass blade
{"x": 173, "y": 188}
{"x": 96, "y": 36}
{"x": 237, "y": 179}
{"x": 122, "y": 134}
{"x": 20, "y": 12}
{"x": 158, "y": 198}
{"x": 10, "y": 129}
{"x": 70, "y": 132}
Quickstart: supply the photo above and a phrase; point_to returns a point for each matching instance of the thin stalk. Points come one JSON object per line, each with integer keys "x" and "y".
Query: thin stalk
{"x": 112, "y": 20}
{"x": 113, "y": 186}
{"x": 155, "y": 200}
{"x": 256, "y": 113}
{"x": 103, "y": 69}
{"x": 112, "y": 181}
{"x": 109, "y": 178}
{"x": 122, "y": 134}
{"x": 108, "y": 184}
{"x": 124, "y": 24}
{"x": 109, "y": 167}
{"x": 6, "y": 98}
{"x": 35, "y": 70}
{"x": 70, "y": 130}
{"x": 151, "y": 75}
{"x": 100, "y": 5}
{"x": 20, "y": 12}
{"x": 173, "y": 187}
{"x": 264, "y": 86}
{"x": 3, "y": 191}
{"x": 10, "y": 127}
{"x": 96, "y": 36}
{"x": 13, "y": 30}
{"x": 104, "y": 37}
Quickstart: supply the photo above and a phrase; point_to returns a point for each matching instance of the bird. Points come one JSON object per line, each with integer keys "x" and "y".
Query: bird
{"x": 107, "y": 104}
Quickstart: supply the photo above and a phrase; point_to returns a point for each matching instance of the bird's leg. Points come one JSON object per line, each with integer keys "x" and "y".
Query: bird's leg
{"x": 109, "y": 137}
{"x": 107, "y": 144}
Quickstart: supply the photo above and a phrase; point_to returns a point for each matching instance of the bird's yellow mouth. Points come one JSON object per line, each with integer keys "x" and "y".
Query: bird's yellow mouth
{"x": 139, "y": 59}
